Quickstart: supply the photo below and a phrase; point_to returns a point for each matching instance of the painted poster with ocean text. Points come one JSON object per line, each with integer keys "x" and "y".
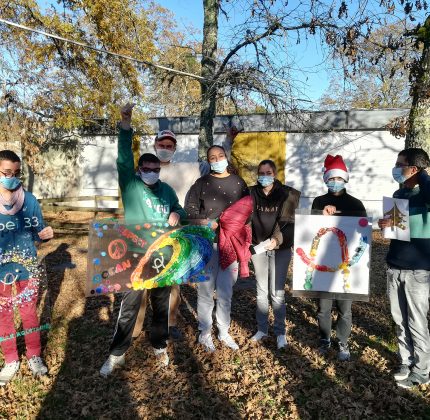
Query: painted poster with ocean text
{"x": 145, "y": 255}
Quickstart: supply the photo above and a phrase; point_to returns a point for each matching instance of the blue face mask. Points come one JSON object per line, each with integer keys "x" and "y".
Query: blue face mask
{"x": 265, "y": 180}
{"x": 398, "y": 175}
{"x": 220, "y": 166}
{"x": 10, "y": 183}
{"x": 335, "y": 186}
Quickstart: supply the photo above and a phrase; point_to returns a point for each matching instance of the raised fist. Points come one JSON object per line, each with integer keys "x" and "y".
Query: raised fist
{"x": 126, "y": 113}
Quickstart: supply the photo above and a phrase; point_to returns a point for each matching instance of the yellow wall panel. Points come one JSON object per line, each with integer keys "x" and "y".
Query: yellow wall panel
{"x": 249, "y": 149}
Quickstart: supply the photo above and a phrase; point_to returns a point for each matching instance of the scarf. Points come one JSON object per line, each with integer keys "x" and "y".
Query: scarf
{"x": 16, "y": 201}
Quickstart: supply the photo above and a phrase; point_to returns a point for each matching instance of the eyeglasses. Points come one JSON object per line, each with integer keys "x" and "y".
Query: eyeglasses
{"x": 147, "y": 170}
{"x": 401, "y": 165}
{"x": 10, "y": 174}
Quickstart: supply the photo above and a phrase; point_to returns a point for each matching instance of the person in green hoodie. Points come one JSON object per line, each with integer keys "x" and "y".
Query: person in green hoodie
{"x": 145, "y": 198}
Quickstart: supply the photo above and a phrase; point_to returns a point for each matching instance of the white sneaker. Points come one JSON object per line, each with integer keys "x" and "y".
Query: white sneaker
{"x": 258, "y": 336}
{"x": 281, "y": 341}
{"x": 37, "y": 366}
{"x": 207, "y": 342}
{"x": 111, "y": 363}
{"x": 162, "y": 356}
{"x": 8, "y": 372}
{"x": 228, "y": 341}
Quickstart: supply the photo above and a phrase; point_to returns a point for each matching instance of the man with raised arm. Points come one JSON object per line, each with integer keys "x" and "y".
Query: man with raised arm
{"x": 145, "y": 198}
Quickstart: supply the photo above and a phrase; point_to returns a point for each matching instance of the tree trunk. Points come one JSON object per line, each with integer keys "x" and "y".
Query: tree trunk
{"x": 208, "y": 95}
{"x": 419, "y": 116}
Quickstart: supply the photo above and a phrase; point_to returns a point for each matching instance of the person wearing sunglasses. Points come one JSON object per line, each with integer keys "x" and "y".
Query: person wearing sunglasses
{"x": 180, "y": 176}
{"x": 145, "y": 199}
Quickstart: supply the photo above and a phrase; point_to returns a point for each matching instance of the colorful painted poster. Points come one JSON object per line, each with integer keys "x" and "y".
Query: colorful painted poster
{"x": 397, "y": 209}
{"x": 146, "y": 255}
{"x": 331, "y": 256}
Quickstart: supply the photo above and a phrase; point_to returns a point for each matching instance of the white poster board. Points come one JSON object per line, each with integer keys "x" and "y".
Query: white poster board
{"x": 331, "y": 256}
{"x": 397, "y": 209}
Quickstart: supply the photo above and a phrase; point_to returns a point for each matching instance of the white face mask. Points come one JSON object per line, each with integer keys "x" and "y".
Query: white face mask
{"x": 149, "y": 178}
{"x": 164, "y": 155}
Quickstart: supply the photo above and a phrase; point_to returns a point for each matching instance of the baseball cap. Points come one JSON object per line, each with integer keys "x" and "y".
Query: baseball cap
{"x": 166, "y": 134}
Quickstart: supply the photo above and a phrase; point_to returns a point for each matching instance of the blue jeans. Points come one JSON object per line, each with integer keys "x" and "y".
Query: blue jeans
{"x": 222, "y": 281}
{"x": 271, "y": 274}
{"x": 408, "y": 291}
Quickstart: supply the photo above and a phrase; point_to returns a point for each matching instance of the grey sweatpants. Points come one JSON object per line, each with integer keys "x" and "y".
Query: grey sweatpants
{"x": 343, "y": 322}
{"x": 271, "y": 274}
{"x": 222, "y": 281}
{"x": 408, "y": 291}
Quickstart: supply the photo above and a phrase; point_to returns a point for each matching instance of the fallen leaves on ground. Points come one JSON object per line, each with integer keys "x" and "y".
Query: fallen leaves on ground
{"x": 258, "y": 381}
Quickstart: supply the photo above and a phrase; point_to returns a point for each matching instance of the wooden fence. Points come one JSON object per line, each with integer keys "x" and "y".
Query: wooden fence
{"x": 68, "y": 204}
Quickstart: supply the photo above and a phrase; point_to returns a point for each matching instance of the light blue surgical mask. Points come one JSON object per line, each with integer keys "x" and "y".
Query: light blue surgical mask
{"x": 335, "y": 186}
{"x": 149, "y": 178}
{"x": 220, "y": 166}
{"x": 10, "y": 183}
{"x": 398, "y": 175}
{"x": 265, "y": 180}
{"x": 164, "y": 155}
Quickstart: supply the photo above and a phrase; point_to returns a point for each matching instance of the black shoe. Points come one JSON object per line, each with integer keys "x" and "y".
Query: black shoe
{"x": 324, "y": 346}
{"x": 174, "y": 333}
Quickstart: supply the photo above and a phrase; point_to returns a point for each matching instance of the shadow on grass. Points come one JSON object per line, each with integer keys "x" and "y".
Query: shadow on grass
{"x": 79, "y": 391}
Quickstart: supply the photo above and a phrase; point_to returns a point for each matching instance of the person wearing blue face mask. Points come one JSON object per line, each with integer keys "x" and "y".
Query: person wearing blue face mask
{"x": 408, "y": 271}
{"x": 145, "y": 199}
{"x": 21, "y": 224}
{"x": 208, "y": 198}
{"x": 272, "y": 220}
{"x": 339, "y": 203}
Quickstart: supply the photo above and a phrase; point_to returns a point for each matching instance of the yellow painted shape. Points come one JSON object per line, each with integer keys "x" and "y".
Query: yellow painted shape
{"x": 249, "y": 149}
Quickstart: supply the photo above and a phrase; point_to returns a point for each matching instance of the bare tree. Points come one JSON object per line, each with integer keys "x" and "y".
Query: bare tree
{"x": 418, "y": 134}
{"x": 258, "y": 62}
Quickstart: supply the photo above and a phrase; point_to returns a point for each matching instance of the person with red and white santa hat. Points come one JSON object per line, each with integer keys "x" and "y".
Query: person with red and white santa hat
{"x": 336, "y": 202}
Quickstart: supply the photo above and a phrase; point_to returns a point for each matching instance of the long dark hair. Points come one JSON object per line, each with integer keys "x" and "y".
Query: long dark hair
{"x": 268, "y": 162}
{"x": 231, "y": 169}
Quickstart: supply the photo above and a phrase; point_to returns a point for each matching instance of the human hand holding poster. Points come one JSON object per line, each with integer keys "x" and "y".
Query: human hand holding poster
{"x": 144, "y": 256}
{"x": 331, "y": 256}
{"x": 397, "y": 210}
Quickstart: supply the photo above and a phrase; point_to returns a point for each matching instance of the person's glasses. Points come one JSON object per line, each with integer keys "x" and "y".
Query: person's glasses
{"x": 401, "y": 165}
{"x": 147, "y": 170}
{"x": 10, "y": 174}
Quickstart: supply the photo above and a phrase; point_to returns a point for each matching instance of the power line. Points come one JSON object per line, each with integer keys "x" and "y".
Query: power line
{"x": 102, "y": 51}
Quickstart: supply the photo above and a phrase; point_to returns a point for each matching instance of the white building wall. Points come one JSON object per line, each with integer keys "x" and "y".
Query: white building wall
{"x": 369, "y": 156}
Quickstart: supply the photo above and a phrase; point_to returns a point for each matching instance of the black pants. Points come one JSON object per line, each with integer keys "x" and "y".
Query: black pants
{"x": 127, "y": 319}
{"x": 344, "y": 319}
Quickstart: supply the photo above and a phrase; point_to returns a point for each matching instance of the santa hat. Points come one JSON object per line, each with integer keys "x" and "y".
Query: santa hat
{"x": 335, "y": 166}
{"x": 166, "y": 134}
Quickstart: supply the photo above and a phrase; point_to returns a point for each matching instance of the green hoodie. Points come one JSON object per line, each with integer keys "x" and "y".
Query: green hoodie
{"x": 141, "y": 202}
